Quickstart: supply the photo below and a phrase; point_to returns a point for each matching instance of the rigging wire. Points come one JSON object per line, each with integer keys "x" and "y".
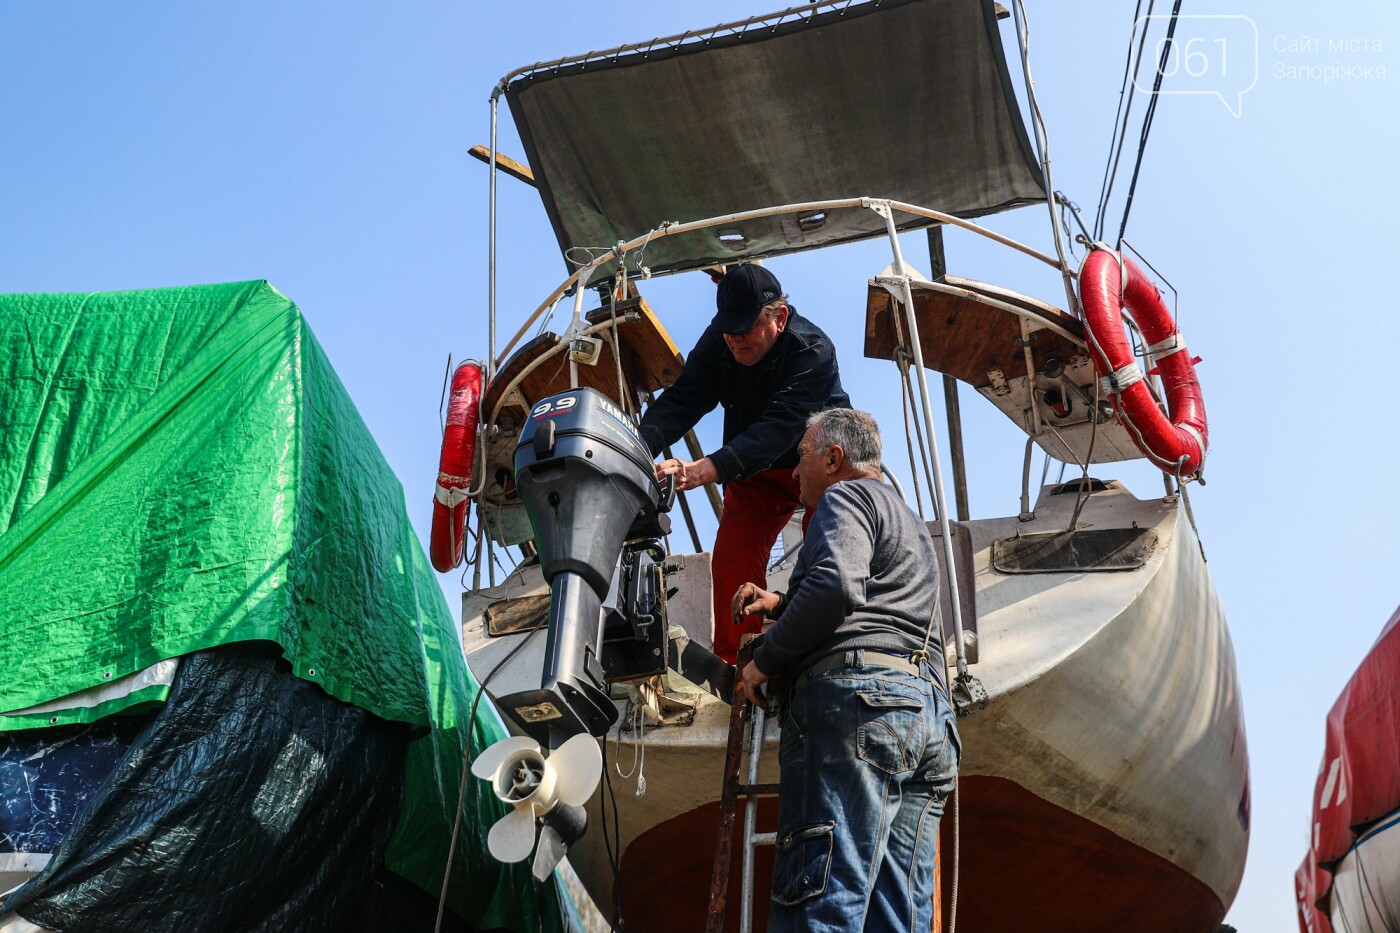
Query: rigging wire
{"x": 902, "y": 356}
{"x": 909, "y": 442}
{"x": 1147, "y": 118}
{"x": 1120, "y": 119}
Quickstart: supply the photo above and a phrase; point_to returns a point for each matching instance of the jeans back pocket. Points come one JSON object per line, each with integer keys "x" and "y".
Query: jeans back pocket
{"x": 890, "y": 734}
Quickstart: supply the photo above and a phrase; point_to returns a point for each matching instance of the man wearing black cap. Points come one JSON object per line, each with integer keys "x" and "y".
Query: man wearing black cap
{"x": 770, "y": 369}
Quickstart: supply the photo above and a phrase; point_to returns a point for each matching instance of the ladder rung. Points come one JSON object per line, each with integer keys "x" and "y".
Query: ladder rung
{"x": 758, "y": 790}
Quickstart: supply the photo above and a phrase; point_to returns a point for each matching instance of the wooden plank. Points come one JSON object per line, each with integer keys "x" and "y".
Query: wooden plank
{"x": 505, "y": 163}
{"x": 650, "y": 359}
{"x": 964, "y": 336}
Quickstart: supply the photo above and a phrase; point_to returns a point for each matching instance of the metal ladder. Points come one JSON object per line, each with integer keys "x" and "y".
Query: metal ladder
{"x": 747, "y": 721}
{"x": 753, "y": 717}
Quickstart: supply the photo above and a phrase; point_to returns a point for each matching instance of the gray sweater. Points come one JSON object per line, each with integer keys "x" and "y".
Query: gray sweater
{"x": 866, "y": 578}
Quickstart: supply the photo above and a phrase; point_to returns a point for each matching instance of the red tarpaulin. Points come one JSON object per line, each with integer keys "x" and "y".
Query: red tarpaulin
{"x": 1360, "y": 778}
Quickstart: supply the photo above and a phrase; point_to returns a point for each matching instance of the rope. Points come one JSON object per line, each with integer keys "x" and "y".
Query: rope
{"x": 953, "y": 898}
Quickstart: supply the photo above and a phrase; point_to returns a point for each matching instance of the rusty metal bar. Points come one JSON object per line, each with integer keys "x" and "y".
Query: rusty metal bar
{"x": 728, "y": 810}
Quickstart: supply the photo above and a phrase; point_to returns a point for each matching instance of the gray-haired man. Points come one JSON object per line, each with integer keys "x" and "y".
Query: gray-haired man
{"x": 869, "y": 747}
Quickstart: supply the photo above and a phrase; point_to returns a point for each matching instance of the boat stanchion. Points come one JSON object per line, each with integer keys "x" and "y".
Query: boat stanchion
{"x": 964, "y": 684}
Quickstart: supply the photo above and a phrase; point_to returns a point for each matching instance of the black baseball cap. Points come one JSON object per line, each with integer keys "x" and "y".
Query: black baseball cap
{"x": 744, "y": 291}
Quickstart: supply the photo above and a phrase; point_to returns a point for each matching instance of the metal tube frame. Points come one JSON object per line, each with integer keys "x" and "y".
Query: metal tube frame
{"x": 673, "y": 229}
{"x": 884, "y": 209}
{"x": 1042, "y": 144}
{"x": 491, "y": 244}
{"x": 752, "y": 838}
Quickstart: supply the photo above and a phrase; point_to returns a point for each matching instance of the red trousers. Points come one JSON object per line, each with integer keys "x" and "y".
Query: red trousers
{"x": 755, "y": 511}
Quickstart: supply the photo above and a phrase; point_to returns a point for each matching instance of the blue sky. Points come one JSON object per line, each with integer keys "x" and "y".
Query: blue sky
{"x": 322, "y": 146}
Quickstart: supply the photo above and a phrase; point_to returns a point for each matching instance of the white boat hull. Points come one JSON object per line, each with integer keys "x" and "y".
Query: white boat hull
{"x": 1105, "y": 787}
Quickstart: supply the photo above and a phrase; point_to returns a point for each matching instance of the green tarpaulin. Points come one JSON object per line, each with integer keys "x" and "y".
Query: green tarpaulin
{"x": 182, "y": 469}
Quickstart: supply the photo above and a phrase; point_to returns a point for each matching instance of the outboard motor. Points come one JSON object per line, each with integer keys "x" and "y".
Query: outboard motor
{"x": 588, "y": 485}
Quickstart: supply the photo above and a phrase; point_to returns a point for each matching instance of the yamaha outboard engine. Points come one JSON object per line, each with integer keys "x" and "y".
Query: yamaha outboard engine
{"x": 588, "y": 485}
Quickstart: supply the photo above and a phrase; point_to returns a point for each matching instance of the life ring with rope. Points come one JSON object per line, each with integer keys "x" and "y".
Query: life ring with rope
{"x": 454, "y": 479}
{"x": 1111, "y": 284}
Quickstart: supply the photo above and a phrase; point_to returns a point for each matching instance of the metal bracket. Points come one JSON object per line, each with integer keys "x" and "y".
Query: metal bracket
{"x": 969, "y": 696}
{"x": 878, "y": 206}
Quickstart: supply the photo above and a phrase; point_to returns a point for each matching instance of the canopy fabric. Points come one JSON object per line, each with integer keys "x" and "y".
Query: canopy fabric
{"x": 1359, "y": 781}
{"x": 908, "y": 100}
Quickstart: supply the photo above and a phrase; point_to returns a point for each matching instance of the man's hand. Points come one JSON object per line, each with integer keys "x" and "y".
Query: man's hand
{"x": 688, "y": 474}
{"x": 746, "y": 687}
{"x": 749, "y": 600}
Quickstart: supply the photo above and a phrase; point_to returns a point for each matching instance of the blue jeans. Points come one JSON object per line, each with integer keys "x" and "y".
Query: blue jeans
{"x": 868, "y": 757}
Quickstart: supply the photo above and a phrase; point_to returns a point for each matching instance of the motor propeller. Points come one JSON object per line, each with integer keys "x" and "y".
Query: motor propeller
{"x": 544, "y": 790}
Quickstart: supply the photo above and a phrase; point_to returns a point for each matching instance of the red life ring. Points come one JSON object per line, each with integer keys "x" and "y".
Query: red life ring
{"x": 1109, "y": 284}
{"x": 454, "y": 478}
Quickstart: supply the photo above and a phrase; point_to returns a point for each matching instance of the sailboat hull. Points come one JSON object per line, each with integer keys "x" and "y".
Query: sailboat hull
{"x": 1105, "y": 787}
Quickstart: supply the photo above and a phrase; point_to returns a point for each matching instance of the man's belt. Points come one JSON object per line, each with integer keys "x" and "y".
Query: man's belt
{"x": 898, "y": 662}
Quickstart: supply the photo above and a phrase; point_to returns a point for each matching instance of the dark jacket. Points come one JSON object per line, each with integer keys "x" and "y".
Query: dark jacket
{"x": 765, "y": 405}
